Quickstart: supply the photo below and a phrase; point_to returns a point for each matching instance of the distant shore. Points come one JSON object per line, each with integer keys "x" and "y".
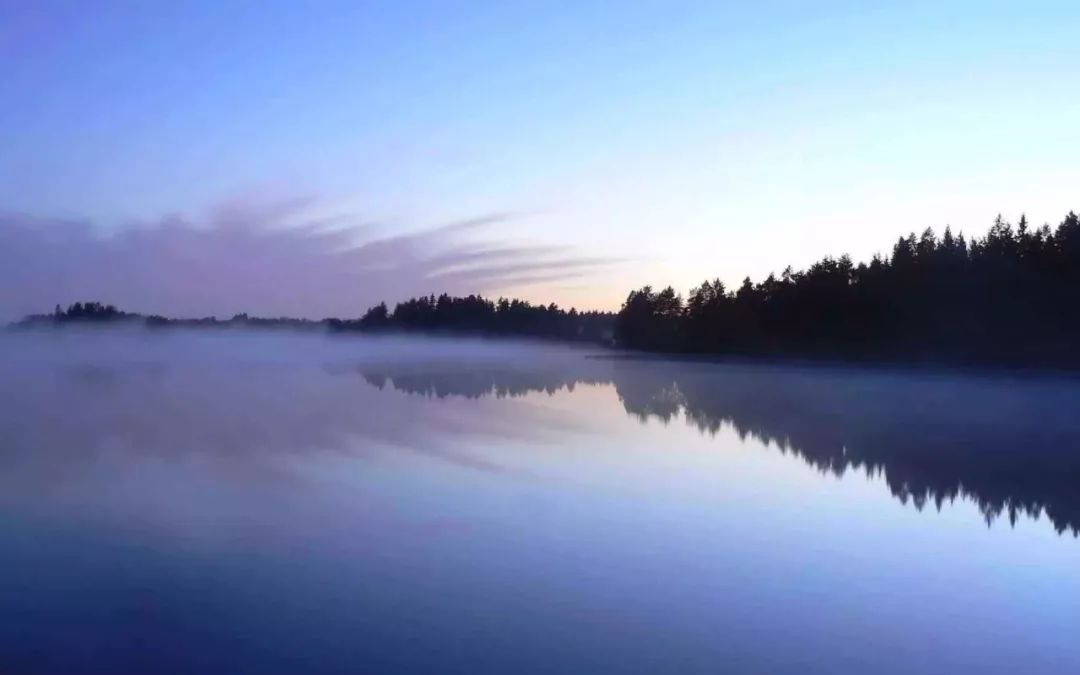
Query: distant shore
{"x": 1008, "y": 300}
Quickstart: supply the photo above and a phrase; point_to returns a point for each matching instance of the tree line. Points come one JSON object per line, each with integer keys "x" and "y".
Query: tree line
{"x": 88, "y": 311}
{"x": 477, "y": 314}
{"x": 472, "y": 314}
{"x": 1011, "y": 296}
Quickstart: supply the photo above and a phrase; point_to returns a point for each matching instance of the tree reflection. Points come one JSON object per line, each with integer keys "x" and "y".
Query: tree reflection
{"x": 1011, "y": 444}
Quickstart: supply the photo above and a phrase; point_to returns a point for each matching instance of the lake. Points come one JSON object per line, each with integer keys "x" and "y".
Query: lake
{"x": 242, "y": 503}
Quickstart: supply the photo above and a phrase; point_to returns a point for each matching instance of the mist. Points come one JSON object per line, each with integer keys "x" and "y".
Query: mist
{"x": 244, "y": 398}
{"x": 265, "y": 260}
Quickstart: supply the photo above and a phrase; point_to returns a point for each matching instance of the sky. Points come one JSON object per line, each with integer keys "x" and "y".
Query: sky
{"x": 589, "y": 147}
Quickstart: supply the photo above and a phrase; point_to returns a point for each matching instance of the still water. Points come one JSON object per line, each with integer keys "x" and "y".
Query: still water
{"x": 240, "y": 503}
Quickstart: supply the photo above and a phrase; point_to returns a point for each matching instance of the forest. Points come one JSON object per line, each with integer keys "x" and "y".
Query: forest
{"x": 1009, "y": 297}
{"x": 444, "y": 314}
{"x": 476, "y": 314}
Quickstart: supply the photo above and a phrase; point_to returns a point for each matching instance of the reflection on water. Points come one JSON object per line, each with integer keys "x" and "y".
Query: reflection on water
{"x": 1010, "y": 444}
{"x": 282, "y": 504}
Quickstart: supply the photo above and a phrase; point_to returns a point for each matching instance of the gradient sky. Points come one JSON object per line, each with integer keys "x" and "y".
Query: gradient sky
{"x": 664, "y": 141}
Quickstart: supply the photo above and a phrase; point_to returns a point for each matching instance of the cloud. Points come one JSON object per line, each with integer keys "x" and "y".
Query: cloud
{"x": 264, "y": 259}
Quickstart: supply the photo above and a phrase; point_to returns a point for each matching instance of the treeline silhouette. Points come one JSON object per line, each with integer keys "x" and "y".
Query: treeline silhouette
{"x": 472, "y": 314}
{"x": 89, "y": 311}
{"x": 477, "y": 314}
{"x": 1010, "y": 297}
{"x": 1006, "y": 443}
{"x": 93, "y": 312}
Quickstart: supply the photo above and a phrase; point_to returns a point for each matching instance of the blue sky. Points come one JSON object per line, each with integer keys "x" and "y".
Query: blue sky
{"x": 684, "y": 139}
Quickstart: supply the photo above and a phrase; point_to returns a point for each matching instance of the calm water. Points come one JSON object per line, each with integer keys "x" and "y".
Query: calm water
{"x": 288, "y": 504}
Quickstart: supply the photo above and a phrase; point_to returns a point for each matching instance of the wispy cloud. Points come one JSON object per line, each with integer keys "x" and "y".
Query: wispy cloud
{"x": 266, "y": 259}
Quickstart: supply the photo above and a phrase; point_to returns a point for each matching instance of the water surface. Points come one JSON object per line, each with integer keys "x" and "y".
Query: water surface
{"x": 218, "y": 502}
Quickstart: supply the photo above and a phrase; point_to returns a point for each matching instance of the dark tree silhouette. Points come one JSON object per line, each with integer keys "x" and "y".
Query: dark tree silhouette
{"x": 471, "y": 314}
{"x": 376, "y": 317}
{"x": 475, "y": 314}
{"x": 89, "y": 311}
{"x": 1011, "y": 297}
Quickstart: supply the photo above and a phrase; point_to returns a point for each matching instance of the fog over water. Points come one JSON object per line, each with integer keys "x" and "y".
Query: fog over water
{"x": 231, "y": 501}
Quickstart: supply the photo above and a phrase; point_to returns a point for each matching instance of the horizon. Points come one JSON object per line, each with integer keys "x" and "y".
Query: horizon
{"x": 962, "y": 238}
{"x": 200, "y": 160}
{"x": 365, "y": 336}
